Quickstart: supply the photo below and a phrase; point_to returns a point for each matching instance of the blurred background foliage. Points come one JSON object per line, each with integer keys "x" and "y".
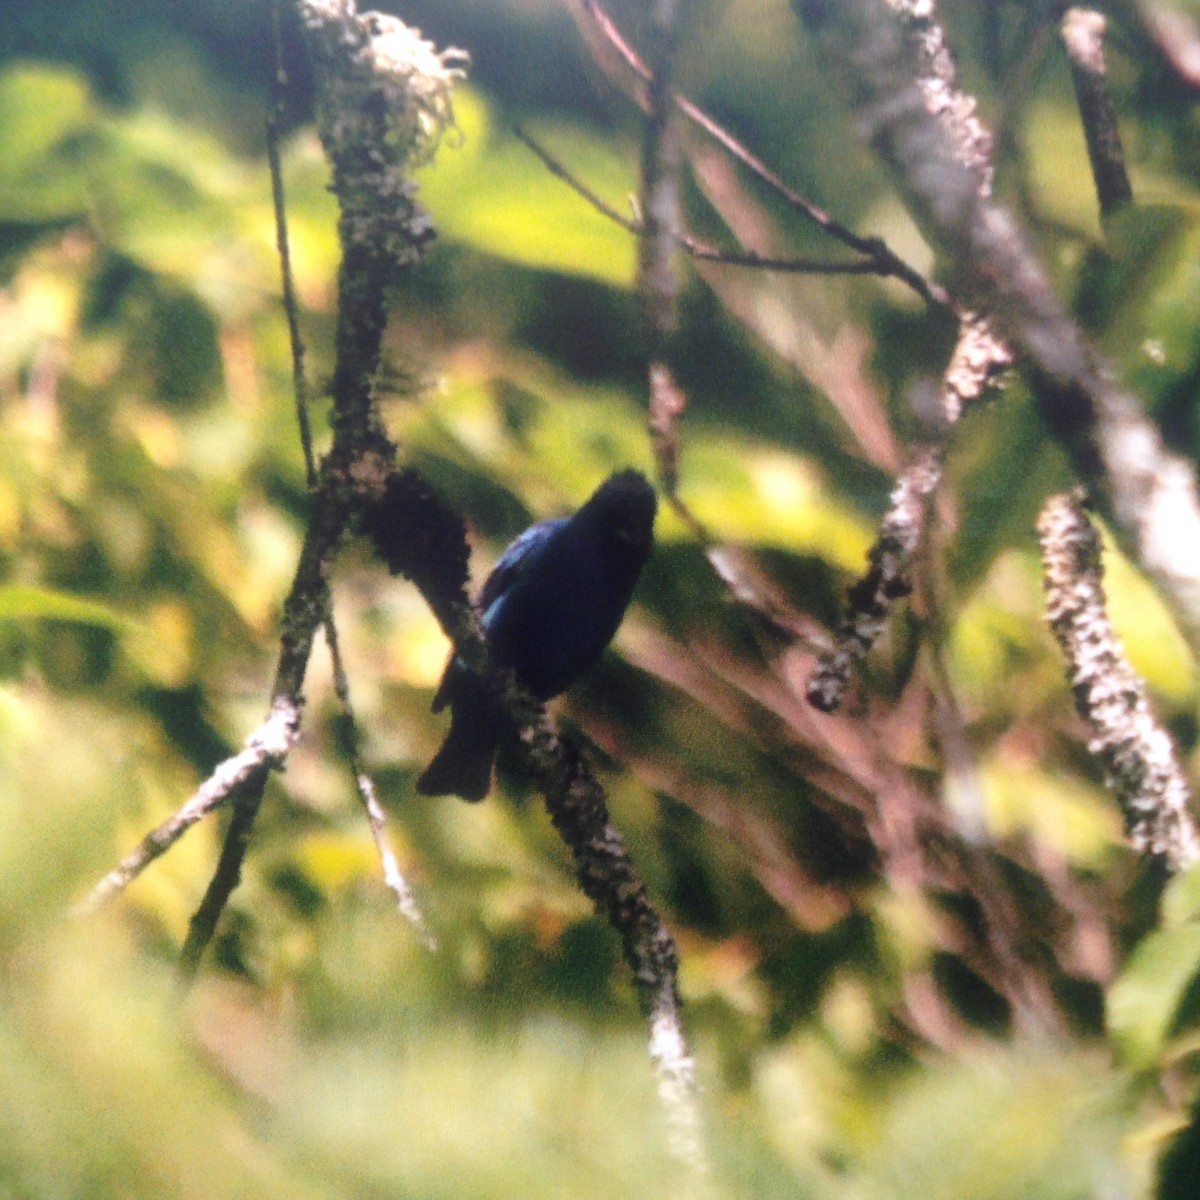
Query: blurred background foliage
{"x": 861, "y": 1027}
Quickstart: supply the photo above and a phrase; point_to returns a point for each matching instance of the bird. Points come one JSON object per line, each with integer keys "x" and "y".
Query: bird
{"x": 552, "y": 604}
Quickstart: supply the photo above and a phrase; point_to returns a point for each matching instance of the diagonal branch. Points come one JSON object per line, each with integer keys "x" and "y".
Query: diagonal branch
{"x": 1139, "y": 759}
{"x": 884, "y": 260}
{"x": 422, "y": 539}
{"x": 899, "y": 79}
{"x": 1083, "y": 37}
{"x": 696, "y": 247}
{"x": 266, "y": 749}
{"x": 979, "y": 358}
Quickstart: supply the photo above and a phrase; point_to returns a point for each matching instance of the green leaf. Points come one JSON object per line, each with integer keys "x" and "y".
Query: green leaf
{"x": 21, "y": 603}
{"x": 1181, "y": 898}
{"x": 41, "y": 178}
{"x": 39, "y": 107}
{"x": 1145, "y": 1000}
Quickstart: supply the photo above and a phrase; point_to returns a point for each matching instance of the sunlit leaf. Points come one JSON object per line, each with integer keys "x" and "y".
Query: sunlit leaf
{"x": 41, "y": 107}
{"x": 25, "y": 603}
{"x": 490, "y": 191}
{"x": 1143, "y": 1002}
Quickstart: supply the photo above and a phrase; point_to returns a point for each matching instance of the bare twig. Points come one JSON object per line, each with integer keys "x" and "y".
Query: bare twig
{"x": 1083, "y": 37}
{"x": 657, "y": 279}
{"x": 559, "y": 171}
{"x": 1139, "y": 759}
{"x": 393, "y": 877}
{"x": 884, "y": 260}
{"x": 225, "y": 879}
{"x": 696, "y": 247}
{"x": 275, "y": 119}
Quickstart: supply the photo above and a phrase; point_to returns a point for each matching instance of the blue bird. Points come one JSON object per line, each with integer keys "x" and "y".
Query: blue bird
{"x": 553, "y": 602}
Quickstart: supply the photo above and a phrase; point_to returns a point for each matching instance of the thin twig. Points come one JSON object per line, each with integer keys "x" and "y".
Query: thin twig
{"x": 225, "y": 879}
{"x": 556, "y": 168}
{"x": 657, "y": 279}
{"x": 698, "y": 248}
{"x": 275, "y": 119}
{"x": 393, "y": 877}
{"x": 885, "y": 261}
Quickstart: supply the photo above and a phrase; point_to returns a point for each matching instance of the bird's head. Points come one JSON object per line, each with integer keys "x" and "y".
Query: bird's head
{"x": 624, "y": 506}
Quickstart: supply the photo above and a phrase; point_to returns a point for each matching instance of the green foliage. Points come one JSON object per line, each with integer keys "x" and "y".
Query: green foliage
{"x": 853, "y": 1037}
{"x": 490, "y": 193}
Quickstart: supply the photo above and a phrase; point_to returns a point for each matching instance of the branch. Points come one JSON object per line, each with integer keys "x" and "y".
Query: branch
{"x": 579, "y": 811}
{"x": 1083, "y": 37}
{"x": 900, "y": 83}
{"x": 422, "y": 539}
{"x": 266, "y": 750}
{"x": 1139, "y": 759}
{"x": 696, "y": 247}
{"x": 657, "y": 280}
{"x": 291, "y": 309}
{"x": 884, "y": 261}
{"x": 979, "y": 358}
{"x": 383, "y": 97}
{"x": 393, "y": 877}
{"x": 225, "y": 879}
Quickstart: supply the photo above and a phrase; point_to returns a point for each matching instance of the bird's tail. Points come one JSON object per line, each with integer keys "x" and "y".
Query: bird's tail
{"x": 463, "y": 765}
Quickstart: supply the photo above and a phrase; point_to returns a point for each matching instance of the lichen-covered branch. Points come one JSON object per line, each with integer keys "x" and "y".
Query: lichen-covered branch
{"x": 579, "y": 810}
{"x": 890, "y": 54}
{"x": 421, "y": 538}
{"x": 1139, "y": 759}
{"x": 978, "y": 360}
{"x": 382, "y": 98}
{"x": 266, "y": 750}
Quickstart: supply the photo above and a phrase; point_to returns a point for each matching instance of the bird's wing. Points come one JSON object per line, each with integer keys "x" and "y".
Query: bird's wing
{"x": 517, "y": 558}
